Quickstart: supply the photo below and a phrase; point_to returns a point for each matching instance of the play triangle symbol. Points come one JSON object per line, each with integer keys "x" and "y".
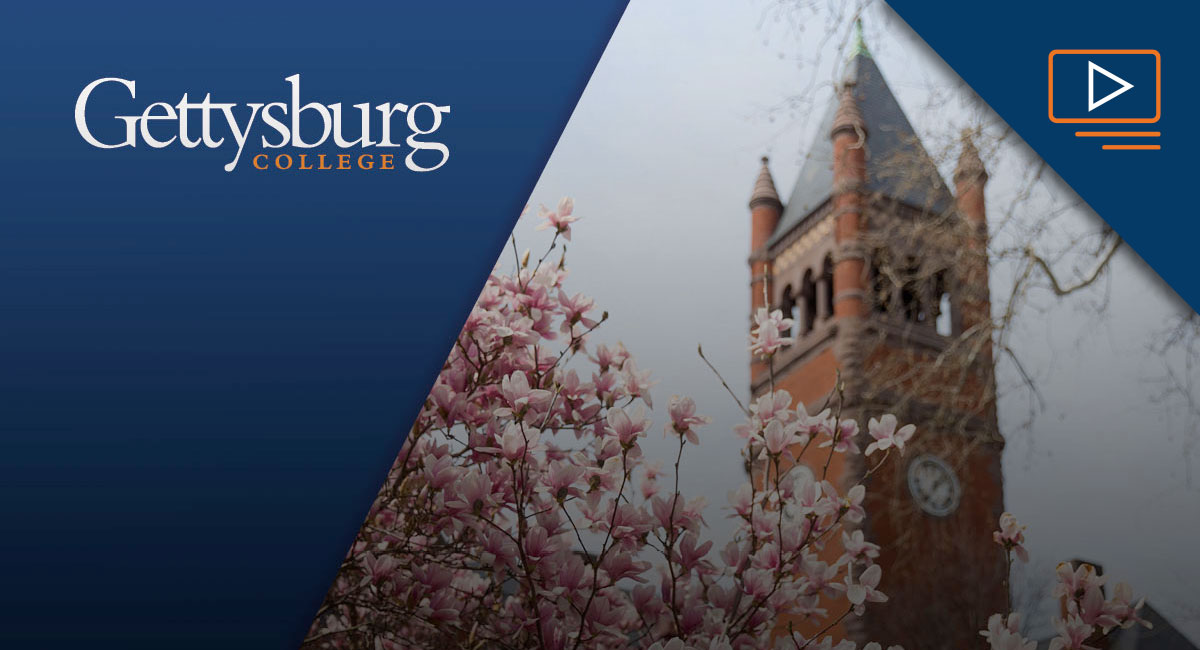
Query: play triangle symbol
{"x": 1092, "y": 70}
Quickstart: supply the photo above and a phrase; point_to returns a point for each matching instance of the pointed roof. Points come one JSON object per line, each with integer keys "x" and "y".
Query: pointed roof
{"x": 860, "y": 44}
{"x": 764, "y": 188}
{"x": 898, "y": 165}
{"x": 847, "y": 117}
{"x": 970, "y": 165}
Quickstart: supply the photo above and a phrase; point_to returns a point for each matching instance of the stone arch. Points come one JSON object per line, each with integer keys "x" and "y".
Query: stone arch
{"x": 913, "y": 298}
{"x": 882, "y": 283}
{"x": 788, "y": 306}
{"x": 942, "y": 303}
{"x": 808, "y": 295}
{"x": 825, "y": 290}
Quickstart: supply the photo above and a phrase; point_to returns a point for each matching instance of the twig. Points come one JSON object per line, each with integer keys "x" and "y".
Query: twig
{"x": 700, "y": 350}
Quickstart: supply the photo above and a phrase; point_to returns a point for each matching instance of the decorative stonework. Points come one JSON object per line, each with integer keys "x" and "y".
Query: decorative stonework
{"x": 805, "y": 243}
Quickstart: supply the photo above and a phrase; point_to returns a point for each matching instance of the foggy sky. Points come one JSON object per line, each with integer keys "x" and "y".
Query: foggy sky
{"x": 660, "y": 157}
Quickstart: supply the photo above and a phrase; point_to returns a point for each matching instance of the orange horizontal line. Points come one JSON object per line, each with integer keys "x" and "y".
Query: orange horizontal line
{"x": 1117, "y": 134}
{"x": 1131, "y": 146}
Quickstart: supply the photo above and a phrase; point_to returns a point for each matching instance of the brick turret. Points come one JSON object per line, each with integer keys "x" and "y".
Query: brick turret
{"x": 970, "y": 177}
{"x": 849, "y": 135}
{"x": 765, "y": 210}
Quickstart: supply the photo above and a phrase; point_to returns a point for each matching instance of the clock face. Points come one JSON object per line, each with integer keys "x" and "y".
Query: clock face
{"x": 933, "y": 485}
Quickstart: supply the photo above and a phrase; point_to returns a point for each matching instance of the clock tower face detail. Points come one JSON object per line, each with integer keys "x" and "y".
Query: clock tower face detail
{"x": 933, "y": 485}
{"x": 884, "y": 269}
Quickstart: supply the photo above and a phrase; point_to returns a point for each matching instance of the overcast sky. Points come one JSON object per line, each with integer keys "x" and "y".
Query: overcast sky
{"x": 660, "y": 157}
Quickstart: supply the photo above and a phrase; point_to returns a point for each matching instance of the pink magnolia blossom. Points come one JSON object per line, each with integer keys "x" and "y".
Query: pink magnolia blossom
{"x": 691, "y": 553}
{"x": 606, "y": 357}
{"x": 767, "y": 336}
{"x": 1005, "y": 633}
{"x": 816, "y": 425}
{"x": 742, "y": 500}
{"x": 1093, "y": 610}
{"x": 777, "y": 438}
{"x": 886, "y": 435}
{"x": 851, "y": 508}
{"x": 1011, "y": 536}
{"x": 684, "y": 419}
{"x": 562, "y": 479}
{"x": 519, "y": 396}
{"x": 626, "y": 426}
{"x": 638, "y": 383}
{"x": 560, "y": 220}
{"x": 1073, "y": 582}
{"x": 1073, "y": 634}
{"x": 822, "y": 577}
{"x": 774, "y": 405}
{"x": 516, "y": 442}
{"x": 523, "y": 512}
{"x": 841, "y": 438}
{"x": 575, "y": 309}
{"x": 858, "y": 548}
{"x": 380, "y": 568}
{"x": 1123, "y": 607}
{"x": 865, "y": 590}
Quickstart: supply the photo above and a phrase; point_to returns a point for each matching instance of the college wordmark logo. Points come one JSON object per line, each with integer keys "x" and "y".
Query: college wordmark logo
{"x": 274, "y": 125}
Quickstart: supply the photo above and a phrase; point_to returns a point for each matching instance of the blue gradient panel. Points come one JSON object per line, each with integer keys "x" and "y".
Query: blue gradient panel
{"x": 1002, "y": 51}
{"x": 204, "y": 376}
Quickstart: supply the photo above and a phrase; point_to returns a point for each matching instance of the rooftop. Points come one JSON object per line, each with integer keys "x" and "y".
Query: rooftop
{"x": 898, "y": 165}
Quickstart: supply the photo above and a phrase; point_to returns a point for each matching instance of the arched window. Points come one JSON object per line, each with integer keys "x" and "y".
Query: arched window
{"x": 881, "y": 280}
{"x": 788, "y": 307}
{"x": 912, "y": 293}
{"x": 943, "y": 319}
{"x": 808, "y": 293}
{"x": 827, "y": 286}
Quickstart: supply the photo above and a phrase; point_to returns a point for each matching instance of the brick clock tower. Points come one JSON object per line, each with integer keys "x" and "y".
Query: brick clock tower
{"x": 884, "y": 270}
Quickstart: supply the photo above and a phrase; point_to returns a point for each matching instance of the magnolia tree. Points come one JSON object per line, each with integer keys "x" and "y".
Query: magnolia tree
{"x": 521, "y": 512}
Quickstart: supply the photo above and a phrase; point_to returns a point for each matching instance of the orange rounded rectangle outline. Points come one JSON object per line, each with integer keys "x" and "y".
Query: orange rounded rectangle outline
{"x": 1094, "y": 120}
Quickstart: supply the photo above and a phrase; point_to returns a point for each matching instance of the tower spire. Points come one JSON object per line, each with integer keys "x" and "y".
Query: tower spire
{"x": 847, "y": 117}
{"x": 970, "y": 165}
{"x": 764, "y": 188}
{"x": 858, "y": 51}
{"x": 765, "y": 210}
{"x": 860, "y": 44}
